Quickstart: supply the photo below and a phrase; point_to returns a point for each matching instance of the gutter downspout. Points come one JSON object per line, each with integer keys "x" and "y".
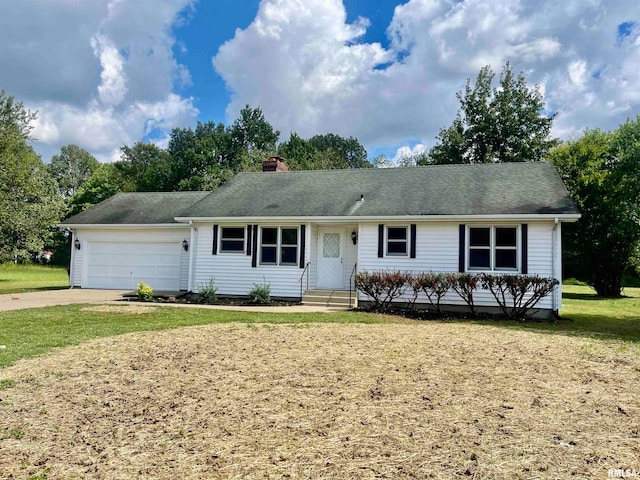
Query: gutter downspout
{"x": 554, "y": 267}
{"x": 192, "y": 257}
{"x": 71, "y": 259}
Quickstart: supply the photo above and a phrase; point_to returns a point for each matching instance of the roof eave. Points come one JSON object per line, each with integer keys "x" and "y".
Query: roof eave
{"x": 120, "y": 225}
{"x": 563, "y": 217}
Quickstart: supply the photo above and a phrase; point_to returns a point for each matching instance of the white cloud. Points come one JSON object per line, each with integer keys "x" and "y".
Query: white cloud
{"x": 113, "y": 87}
{"x": 100, "y": 73}
{"x": 310, "y": 72}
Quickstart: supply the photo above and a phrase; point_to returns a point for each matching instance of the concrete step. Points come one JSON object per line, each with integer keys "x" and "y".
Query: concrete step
{"x": 337, "y": 299}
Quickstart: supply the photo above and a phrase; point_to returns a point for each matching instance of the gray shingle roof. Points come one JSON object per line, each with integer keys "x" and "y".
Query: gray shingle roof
{"x": 486, "y": 189}
{"x": 137, "y": 208}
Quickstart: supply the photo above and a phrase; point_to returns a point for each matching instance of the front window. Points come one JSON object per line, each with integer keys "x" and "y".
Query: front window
{"x": 279, "y": 246}
{"x": 232, "y": 240}
{"x": 397, "y": 241}
{"x": 493, "y": 248}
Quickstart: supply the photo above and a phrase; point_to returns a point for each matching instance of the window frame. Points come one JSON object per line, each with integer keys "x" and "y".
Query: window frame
{"x": 221, "y": 239}
{"x": 279, "y": 245}
{"x": 387, "y": 240}
{"x": 493, "y": 248}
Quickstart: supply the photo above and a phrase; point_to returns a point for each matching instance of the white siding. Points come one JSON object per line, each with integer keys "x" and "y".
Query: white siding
{"x": 184, "y": 269}
{"x": 350, "y": 255}
{"x": 313, "y": 255}
{"x": 76, "y": 263}
{"x": 437, "y": 250}
{"x": 233, "y": 273}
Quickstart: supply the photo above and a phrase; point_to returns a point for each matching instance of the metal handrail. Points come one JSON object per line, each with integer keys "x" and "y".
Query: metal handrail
{"x": 353, "y": 272}
{"x": 306, "y": 268}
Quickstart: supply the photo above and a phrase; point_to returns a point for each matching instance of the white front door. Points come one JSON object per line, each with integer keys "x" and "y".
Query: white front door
{"x": 331, "y": 258}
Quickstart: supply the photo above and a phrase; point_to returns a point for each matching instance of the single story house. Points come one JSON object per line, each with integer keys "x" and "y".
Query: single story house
{"x": 310, "y": 230}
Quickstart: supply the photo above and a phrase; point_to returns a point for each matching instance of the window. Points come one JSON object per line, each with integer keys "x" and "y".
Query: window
{"x": 232, "y": 240}
{"x": 279, "y": 246}
{"x": 397, "y": 244}
{"x": 493, "y": 248}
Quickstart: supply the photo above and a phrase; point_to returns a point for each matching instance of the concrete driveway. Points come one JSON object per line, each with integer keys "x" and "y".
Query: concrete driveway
{"x": 17, "y": 301}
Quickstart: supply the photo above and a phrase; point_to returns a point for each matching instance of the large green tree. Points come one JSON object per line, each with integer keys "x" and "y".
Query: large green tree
{"x": 71, "y": 168}
{"x": 105, "y": 182}
{"x": 323, "y": 152}
{"x": 146, "y": 168}
{"x": 30, "y": 204}
{"x": 602, "y": 172}
{"x": 505, "y": 123}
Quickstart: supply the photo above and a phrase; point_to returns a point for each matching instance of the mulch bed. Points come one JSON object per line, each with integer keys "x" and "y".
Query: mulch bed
{"x": 411, "y": 400}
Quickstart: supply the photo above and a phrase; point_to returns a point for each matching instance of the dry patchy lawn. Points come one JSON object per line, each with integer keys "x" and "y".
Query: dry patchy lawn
{"x": 412, "y": 400}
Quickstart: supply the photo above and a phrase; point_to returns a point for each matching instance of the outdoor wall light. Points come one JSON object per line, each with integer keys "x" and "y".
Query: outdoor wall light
{"x": 354, "y": 237}
{"x": 185, "y": 245}
{"x": 76, "y": 243}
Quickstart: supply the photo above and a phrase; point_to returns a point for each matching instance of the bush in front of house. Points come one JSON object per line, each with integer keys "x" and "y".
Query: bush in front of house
{"x": 383, "y": 287}
{"x": 144, "y": 292}
{"x": 434, "y": 285}
{"x": 517, "y": 294}
{"x": 208, "y": 293}
{"x": 260, "y": 293}
{"x": 464, "y": 284}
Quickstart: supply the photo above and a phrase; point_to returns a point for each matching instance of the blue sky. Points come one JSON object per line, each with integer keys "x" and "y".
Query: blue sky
{"x": 103, "y": 73}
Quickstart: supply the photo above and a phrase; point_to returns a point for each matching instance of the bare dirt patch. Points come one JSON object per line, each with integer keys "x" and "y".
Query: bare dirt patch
{"x": 136, "y": 309}
{"x": 415, "y": 400}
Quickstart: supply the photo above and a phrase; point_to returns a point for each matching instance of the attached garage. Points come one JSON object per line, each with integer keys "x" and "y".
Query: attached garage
{"x": 132, "y": 238}
{"x": 122, "y": 265}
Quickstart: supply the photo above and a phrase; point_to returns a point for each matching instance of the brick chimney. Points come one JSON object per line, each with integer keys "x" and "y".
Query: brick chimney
{"x": 274, "y": 164}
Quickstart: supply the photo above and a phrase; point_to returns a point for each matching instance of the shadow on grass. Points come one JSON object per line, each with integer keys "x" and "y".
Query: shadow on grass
{"x": 588, "y": 316}
{"x": 582, "y": 296}
{"x": 32, "y": 289}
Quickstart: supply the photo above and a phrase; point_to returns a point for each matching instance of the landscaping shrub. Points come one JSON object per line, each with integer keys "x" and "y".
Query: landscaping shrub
{"x": 382, "y": 287}
{"x": 517, "y": 294}
{"x": 464, "y": 285}
{"x": 260, "y": 293}
{"x": 145, "y": 292}
{"x": 434, "y": 285}
{"x": 207, "y": 293}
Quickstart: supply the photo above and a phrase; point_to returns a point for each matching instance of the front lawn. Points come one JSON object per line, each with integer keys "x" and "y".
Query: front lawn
{"x": 31, "y": 278}
{"x": 411, "y": 400}
{"x": 585, "y": 314}
{"x": 32, "y": 332}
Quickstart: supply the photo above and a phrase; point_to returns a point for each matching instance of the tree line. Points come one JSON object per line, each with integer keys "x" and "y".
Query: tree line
{"x": 498, "y": 121}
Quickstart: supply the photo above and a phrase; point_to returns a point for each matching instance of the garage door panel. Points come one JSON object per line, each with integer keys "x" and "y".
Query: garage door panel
{"x": 123, "y": 265}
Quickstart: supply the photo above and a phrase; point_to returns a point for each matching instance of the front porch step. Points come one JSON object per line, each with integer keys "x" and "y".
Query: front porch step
{"x": 338, "y": 299}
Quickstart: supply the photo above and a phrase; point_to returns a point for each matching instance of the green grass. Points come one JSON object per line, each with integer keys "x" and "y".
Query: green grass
{"x": 32, "y": 332}
{"x": 31, "y": 278}
{"x": 588, "y": 315}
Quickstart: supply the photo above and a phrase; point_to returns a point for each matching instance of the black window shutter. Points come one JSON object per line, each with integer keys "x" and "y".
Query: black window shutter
{"x": 413, "y": 240}
{"x": 254, "y": 256}
{"x": 303, "y": 241}
{"x": 461, "y": 247}
{"x": 248, "y": 239}
{"x": 380, "y": 241}
{"x": 524, "y": 268}
{"x": 214, "y": 247}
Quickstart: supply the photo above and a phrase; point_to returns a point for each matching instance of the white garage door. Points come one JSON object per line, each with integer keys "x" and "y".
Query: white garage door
{"x": 120, "y": 265}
